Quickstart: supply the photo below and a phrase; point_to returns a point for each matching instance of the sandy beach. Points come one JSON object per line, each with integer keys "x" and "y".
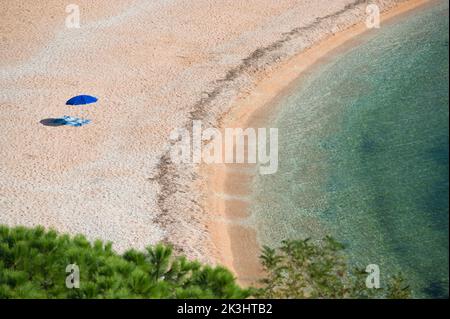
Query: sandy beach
{"x": 155, "y": 66}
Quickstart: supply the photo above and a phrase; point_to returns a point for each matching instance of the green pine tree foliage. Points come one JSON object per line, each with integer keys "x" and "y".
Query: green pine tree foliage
{"x": 33, "y": 265}
{"x": 303, "y": 269}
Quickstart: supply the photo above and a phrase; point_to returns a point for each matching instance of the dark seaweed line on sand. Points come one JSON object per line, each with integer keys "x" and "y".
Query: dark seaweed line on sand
{"x": 167, "y": 172}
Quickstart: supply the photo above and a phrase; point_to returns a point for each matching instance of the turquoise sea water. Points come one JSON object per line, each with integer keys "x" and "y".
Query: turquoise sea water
{"x": 364, "y": 153}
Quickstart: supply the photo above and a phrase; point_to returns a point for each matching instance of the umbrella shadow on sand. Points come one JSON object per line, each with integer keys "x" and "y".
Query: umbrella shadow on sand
{"x": 70, "y": 120}
{"x": 65, "y": 120}
{"x": 53, "y": 122}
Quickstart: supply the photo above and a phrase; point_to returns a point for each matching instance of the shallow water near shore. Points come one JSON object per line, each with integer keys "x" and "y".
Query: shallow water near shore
{"x": 364, "y": 154}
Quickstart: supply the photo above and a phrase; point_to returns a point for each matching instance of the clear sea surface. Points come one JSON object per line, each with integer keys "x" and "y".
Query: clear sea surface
{"x": 363, "y": 153}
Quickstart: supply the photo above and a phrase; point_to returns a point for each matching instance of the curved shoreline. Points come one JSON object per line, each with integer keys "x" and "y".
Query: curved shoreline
{"x": 113, "y": 180}
{"x": 226, "y": 188}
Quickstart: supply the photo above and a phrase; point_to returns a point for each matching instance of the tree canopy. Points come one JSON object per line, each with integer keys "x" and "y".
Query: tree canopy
{"x": 303, "y": 269}
{"x": 33, "y": 264}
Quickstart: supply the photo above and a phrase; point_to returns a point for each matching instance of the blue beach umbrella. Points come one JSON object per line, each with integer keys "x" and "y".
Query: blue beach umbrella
{"x": 82, "y": 100}
{"x": 79, "y": 100}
